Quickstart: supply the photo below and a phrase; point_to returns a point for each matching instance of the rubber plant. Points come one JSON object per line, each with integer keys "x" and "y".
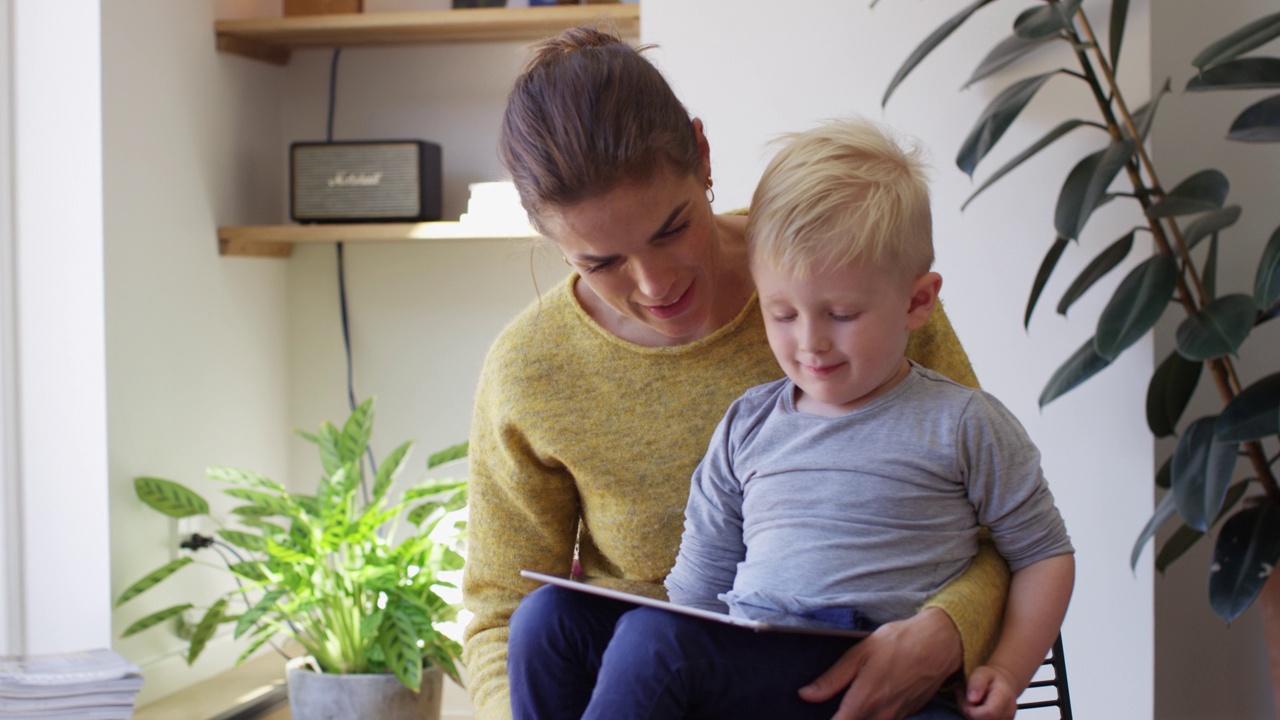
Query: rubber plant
{"x": 1179, "y": 275}
{"x": 348, "y": 572}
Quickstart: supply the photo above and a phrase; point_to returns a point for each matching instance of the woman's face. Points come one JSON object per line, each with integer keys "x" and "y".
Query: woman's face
{"x": 649, "y": 250}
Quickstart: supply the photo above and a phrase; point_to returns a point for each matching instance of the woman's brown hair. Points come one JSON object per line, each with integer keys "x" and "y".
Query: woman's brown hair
{"x": 589, "y": 111}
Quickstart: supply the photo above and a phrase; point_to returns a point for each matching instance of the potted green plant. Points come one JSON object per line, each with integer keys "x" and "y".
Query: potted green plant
{"x": 1179, "y": 275}
{"x": 349, "y": 573}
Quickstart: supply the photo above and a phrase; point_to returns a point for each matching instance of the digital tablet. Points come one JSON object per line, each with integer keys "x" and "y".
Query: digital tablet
{"x": 584, "y": 584}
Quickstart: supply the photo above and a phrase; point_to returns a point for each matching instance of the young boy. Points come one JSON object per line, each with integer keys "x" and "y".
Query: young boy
{"x": 848, "y": 492}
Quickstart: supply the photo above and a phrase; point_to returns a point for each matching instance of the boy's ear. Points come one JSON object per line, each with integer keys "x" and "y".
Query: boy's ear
{"x": 924, "y": 296}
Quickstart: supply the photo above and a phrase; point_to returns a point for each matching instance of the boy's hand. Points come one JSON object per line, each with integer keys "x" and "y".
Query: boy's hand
{"x": 991, "y": 694}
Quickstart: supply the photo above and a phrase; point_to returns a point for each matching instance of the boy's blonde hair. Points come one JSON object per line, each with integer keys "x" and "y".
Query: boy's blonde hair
{"x": 844, "y": 191}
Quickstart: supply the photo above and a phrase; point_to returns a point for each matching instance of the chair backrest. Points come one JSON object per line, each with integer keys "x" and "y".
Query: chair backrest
{"x": 1048, "y": 689}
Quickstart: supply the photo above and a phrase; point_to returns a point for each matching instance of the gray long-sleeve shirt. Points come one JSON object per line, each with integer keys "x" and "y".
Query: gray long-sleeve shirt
{"x": 874, "y": 510}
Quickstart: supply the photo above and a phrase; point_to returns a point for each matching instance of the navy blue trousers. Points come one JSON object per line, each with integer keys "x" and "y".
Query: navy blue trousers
{"x": 573, "y": 655}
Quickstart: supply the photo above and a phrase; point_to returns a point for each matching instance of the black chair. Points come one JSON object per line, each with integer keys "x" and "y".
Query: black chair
{"x": 1038, "y": 697}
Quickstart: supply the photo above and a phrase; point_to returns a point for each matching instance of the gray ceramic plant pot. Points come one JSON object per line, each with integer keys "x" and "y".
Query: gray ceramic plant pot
{"x": 322, "y": 696}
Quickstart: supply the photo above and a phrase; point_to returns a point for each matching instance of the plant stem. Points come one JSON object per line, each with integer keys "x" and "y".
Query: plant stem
{"x": 1221, "y": 369}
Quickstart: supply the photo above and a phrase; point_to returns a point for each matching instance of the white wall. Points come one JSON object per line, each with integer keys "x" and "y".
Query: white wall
{"x": 754, "y": 69}
{"x": 1205, "y": 668}
{"x": 56, "y": 473}
{"x": 196, "y": 343}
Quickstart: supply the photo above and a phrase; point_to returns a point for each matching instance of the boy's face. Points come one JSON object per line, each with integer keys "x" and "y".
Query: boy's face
{"x": 841, "y": 334}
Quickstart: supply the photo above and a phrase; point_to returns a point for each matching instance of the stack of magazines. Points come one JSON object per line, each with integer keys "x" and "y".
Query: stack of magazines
{"x": 91, "y": 685}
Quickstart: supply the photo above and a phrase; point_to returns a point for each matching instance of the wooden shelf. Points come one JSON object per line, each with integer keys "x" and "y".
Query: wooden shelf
{"x": 278, "y": 240}
{"x": 272, "y": 39}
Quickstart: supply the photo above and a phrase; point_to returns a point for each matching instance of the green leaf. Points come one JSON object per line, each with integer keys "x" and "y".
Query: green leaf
{"x": 1204, "y": 191}
{"x": 1025, "y": 155}
{"x": 260, "y": 608}
{"x": 1210, "y": 273}
{"x": 274, "y": 504}
{"x": 284, "y": 553}
{"x": 356, "y": 433}
{"x": 1042, "y": 277}
{"x": 1162, "y": 475}
{"x": 249, "y": 570}
{"x": 1105, "y": 262}
{"x": 1260, "y": 122}
{"x": 1217, "y": 329}
{"x": 170, "y": 498}
{"x": 266, "y": 528}
{"x": 1086, "y": 186}
{"x": 447, "y": 455}
{"x": 1254, "y": 35}
{"x": 244, "y": 477}
{"x": 1005, "y": 54}
{"x": 434, "y": 487}
{"x": 1145, "y": 116}
{"x": 328, "y": 440}
{"x": 390, "y": 468}
{"x": 1047, "y": 21}
{"x": 245, "y": 540}
{"x": 152, "y": 579}
{"x": 1165, "y": 509}
{"x": 1210, "y": 224}
{"x": 205, "y": 629}
{"x": 1082, "y": 365}
{"x": 1169, "y": 391}
{"x": 1184, "y": 538}
{"x": 1179, "y": 542}
{"x": 156, "y": 618}
{"x": 1201, "y": 471}
{"x": 996, "y": 119}
{"x": 1246, "y": 553}
{"x": 1266, "y": 283}
{"x": 1255, "y": 73}
{"x": 934, "y": 40}
{"x": 400, "y": 643}
{"x": 1119, "y": 15}
{"x": 1253, "y": 414}
{"x": 1137, "y": 304}
{"x": 260, "y": 639}
{"x": 421, "y": 512}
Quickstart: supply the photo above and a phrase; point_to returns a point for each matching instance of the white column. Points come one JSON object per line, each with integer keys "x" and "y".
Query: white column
{"x": 9, "y": 556}
{"x": 59, "y": 382}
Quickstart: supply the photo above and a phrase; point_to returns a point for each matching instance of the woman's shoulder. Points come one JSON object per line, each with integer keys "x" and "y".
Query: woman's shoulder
{"x": 538, "y": 333}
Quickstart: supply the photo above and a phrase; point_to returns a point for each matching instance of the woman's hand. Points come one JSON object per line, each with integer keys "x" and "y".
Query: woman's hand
{"x": 894, "y": 671}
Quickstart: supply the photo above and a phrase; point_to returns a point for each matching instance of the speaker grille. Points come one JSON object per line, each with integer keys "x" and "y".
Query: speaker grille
{"x": 357, "y": 181}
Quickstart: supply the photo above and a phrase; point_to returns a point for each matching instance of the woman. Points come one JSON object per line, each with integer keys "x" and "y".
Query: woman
{"x": 597, "y": 402}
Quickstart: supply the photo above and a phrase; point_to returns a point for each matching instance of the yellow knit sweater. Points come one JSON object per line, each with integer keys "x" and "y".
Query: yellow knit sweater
{"x": 581, "y": 438}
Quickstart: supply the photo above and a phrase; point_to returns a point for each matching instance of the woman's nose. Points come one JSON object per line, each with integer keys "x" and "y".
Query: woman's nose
{"x": 655, "y": 280}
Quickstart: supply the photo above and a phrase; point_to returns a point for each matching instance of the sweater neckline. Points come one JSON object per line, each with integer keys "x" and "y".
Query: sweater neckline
{"x": 581, "y": 314}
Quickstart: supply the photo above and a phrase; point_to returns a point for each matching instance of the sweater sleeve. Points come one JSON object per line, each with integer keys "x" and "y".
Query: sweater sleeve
{"x": 975, "y": 600}
{"x": 523, "y": 515}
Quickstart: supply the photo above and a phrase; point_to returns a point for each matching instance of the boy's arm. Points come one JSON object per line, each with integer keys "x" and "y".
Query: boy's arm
{"x": 1038, "y": 597}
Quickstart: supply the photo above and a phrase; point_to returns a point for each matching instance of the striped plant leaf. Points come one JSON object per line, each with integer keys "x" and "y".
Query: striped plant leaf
{"x": 205, "y": 629}
{"x": 244, "y": 477}
{"x": 390, "y": 468}
{"x": 258, "y": 641}
{"x": 400, "y": 644}
{"x": 245, "y": 540}
{"x": 170, "y": 498}
{"x": 327, "y": 440}
{"x": 152, "y": 579}
{"x": 276, "y": 504}
{"x": 251, "y": 570}
{"x": 260, "y": 608}
{"x": 156, "y": 618}
{"x": 448, "y": 455}
{"x": 355, "y": 433}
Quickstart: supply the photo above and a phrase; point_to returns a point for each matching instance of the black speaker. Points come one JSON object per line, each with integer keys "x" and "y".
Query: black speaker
{"x": 364, "y": 181}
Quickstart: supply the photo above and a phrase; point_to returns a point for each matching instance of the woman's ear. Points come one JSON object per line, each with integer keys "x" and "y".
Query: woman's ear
{"x": 704, "y": 147}
{"x": 924, "y": 296}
